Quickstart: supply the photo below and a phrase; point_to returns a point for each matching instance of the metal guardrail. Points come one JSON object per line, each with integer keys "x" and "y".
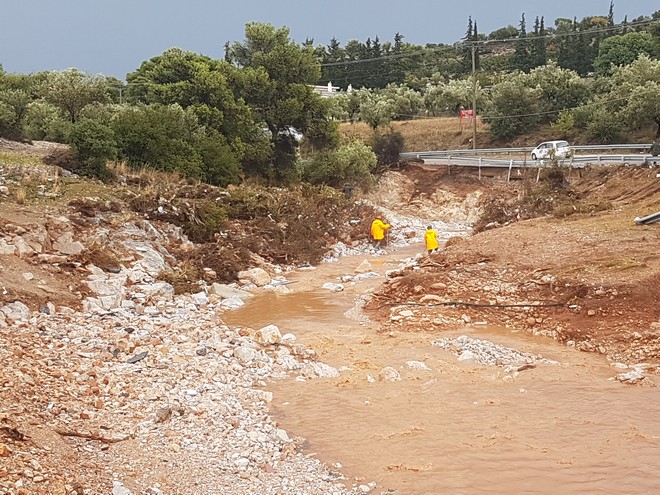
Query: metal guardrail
{"x": 574, "y": 162}
{"x": 486, "y": 151}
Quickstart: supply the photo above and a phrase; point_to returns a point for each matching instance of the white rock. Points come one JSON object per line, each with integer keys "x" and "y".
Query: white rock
{"x": 282, "y": 436}
{"x": 119, "y": 489}
{"x": 389, "y": 374}
{"x": 466, "y": 356}
{"x": 269, "y": 334}
{"x": 22, "y": 247}
{"x": 632, "y": 377}
{"x": 417, "y": 365}
{"x": 225, "y": 291}
{"x": 232, "y": 303}
{"x": 160, "y": 289}
{"x": 16, "y": 311}
{"x": 406, "y": 313}
{"x": 333, "y": 287}
{"x": 245, "y": 354}
{"x": 27, "y": 276}
{"x": 430, "y": 299}
{"x": 289, "y": 338}
{"x": 152, "y": 261}
{"x": 200, "y": 298}
{"x": 323, "y": 370}
{"x": 6, "y": 249}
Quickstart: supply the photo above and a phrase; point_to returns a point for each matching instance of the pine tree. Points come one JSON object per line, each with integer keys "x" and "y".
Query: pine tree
{"x": 538, "y": 49}
{"x": 610, "y": 15}
{"x": 475, "y": 38}
{"x": 396, "y": 68}
{"x": 470, "y": 40}
{"x": 521, "y": 56}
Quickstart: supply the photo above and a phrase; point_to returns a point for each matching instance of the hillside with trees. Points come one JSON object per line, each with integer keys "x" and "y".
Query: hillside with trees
{"x": 255, "y": 112}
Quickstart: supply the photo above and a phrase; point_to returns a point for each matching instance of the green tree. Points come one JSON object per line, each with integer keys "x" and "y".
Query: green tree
{"x": 634, "y": 91}
{"x": 405, "y": 102}
{"x": 376, "y": 111}
{"x": 45, "y": 121}
{"x": 521, "y": 59}
{"x": 504, "y": 33}
{"x": 221, "y": 166}
{"x": 276, "y": 82}
{"x": 559, "y": 88}
{"x": 538, "y": 49}
{"x": 93, "y": 144}
{"x": 161, "y": 137}
{"x": 15, "y": 103}
{"x": 623, "y": 50}
{"x": 194, "y": 81}
{"x": 71, "y": 90}
{"x": 514, "y": 107}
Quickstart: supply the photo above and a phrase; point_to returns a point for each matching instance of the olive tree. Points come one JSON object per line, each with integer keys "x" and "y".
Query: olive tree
{"x": 405, "y": 101}
{"x": 634, "y": 91}
{"x": 71, "y": 90}
{"x": 514, "y": 107}
{"x": 377, "y": 111}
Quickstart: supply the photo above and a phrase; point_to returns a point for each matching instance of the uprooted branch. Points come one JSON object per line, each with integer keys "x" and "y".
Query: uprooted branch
{"x": 90, "y": 436}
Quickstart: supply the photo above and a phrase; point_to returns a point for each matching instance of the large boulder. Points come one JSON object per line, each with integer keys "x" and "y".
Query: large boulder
{"x": 6, "y": 249}
{"x": 66, "y": 245}
{"x": 16, "y": 311}
{"x": 256, "y": 276}
{"x": 225, "y": 291}
{"x": 269, "y": 334}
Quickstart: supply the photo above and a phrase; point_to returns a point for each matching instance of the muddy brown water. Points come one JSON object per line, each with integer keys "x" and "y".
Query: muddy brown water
{"x": 457, "y": 428}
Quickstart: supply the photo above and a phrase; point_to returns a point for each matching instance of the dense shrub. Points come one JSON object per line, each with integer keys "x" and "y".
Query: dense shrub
{"x": 93, "y": 145}
{"x": 353, "y": 162}
{"x": 604, "y": 127}
{"x": 388, "y": 147}
{"x": 44, "y": 121}
{"x": 563, "y": 126}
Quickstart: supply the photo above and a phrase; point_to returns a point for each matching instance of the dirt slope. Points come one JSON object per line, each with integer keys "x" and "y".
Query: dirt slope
{"x": 593, "y": 280}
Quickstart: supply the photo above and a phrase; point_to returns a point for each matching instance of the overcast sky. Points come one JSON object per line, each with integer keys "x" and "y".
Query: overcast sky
{"x": 115, "y": 37}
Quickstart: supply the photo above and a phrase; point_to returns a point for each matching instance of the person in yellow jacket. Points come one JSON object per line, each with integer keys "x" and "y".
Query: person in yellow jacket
{"x": 378, "y": 230}
{"x": 431, "y": 239}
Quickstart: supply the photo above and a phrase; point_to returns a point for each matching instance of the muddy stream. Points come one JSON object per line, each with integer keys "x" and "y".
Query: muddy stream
{"x": 458, "y": 427}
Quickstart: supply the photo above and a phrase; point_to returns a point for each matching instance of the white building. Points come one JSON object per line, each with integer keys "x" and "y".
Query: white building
{"x": 327, "y": 91}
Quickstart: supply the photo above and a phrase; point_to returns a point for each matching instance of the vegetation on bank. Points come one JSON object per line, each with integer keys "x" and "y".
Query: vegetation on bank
{"x": 255, "y": 112}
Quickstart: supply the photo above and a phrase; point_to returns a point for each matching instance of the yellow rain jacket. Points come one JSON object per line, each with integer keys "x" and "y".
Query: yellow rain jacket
{"x": 378, "y": 228}
{"x": 431, "y": 238}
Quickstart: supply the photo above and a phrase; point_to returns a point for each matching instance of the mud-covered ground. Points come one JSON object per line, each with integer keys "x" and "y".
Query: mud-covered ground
{"x": 591, "y": 280}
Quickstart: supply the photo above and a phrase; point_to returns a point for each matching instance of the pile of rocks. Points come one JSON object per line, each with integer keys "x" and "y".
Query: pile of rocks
{"x": 486, "y": 352}
{"x": 171, "y": 401}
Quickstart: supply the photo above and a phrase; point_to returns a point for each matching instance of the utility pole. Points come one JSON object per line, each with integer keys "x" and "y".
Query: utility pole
{"x": 474, "y": 97}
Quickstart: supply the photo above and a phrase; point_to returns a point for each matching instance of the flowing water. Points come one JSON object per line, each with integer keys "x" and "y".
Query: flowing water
{"x": 456, "y": 428}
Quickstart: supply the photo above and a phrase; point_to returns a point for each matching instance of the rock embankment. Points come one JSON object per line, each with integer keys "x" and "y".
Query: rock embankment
{"x": 167, "y": 401}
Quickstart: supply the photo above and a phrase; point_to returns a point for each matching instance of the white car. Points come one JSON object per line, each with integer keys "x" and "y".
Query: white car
{"x": 552, "y": 149}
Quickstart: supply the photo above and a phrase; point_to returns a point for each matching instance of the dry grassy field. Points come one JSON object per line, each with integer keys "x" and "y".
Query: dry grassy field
{"x": 443, "y": 133}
